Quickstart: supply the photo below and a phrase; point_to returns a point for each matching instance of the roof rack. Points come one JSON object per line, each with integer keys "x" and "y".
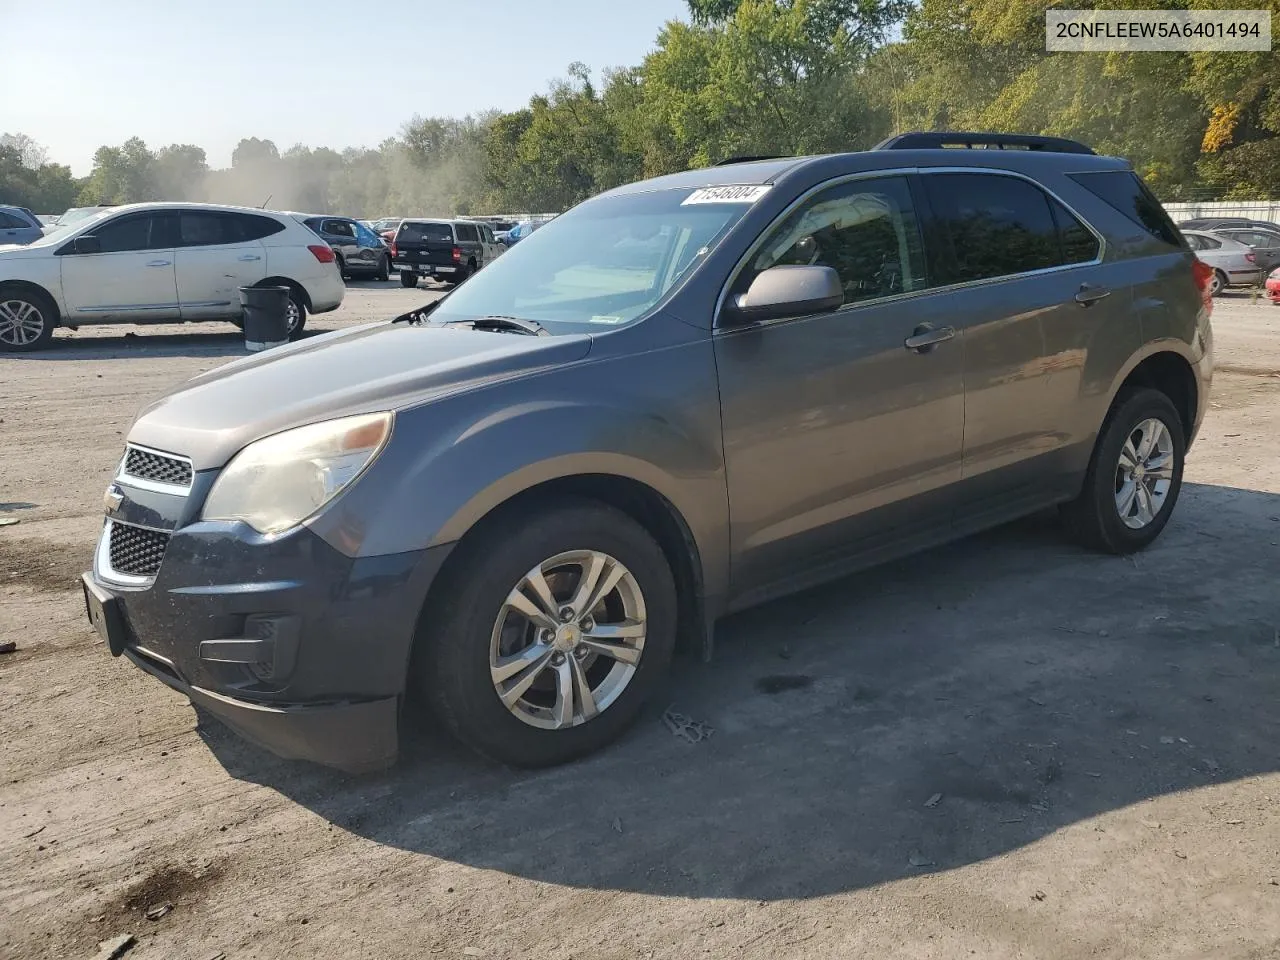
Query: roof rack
{"x": 991, "y": 141}
{"x": 728, "y": 160}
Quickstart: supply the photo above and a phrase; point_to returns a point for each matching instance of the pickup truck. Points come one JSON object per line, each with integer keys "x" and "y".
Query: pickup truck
{"x": 448, "y": 250}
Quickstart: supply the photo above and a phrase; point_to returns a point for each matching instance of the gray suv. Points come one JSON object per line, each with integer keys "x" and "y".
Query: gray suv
{"x": 680, "y": 399}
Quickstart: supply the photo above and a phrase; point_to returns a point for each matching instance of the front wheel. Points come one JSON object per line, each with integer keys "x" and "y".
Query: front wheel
{"x": 408, "y": 278}
{"x": 549, "y": 635}
{"x": 1134, "y": 477}
{"x": 27, "y": 319}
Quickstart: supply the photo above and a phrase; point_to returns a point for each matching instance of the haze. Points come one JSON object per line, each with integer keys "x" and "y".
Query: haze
{"x": 317, "y": 72}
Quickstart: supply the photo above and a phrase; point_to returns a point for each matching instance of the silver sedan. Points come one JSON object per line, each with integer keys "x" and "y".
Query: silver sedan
{"x": 1234, "y": 263}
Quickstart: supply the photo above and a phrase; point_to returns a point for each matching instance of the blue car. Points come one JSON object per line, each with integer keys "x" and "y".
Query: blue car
{"x": 19, "y": 225}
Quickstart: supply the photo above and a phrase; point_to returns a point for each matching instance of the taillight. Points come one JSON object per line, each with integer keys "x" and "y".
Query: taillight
{"x": 322, "y": 253}
{"x": 1251, "y": 258}
{"x": 1203, "y": 274}
{"x": 457, "y": 255}
{"x": 393, "y": 248}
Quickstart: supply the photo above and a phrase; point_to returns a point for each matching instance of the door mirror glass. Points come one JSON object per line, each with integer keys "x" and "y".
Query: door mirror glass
{"x": 87, "y": 244}
{"x": 788, "y": 291}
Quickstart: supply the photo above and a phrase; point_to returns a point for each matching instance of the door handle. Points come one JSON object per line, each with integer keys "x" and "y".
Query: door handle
{"x": 248, "y": 257}
{"x": 925, "y": 338}
{"x": 1089, "y": 294}
{"x": 159, "y": 263}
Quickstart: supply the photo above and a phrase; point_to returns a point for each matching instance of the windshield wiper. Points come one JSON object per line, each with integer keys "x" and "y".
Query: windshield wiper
{"x": 500, "y": 322}
{"x": 420, "y": 315}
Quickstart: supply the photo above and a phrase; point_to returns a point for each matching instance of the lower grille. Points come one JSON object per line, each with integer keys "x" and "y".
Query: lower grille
{"x": 136, "y": 550}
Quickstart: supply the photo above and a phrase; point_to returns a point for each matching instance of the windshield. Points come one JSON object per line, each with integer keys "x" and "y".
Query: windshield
{"x": 70, "y": 222}
{"x": 607, "y": 262}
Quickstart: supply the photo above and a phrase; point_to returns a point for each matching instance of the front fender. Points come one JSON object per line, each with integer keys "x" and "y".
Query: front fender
{"x": 452, "y": 461}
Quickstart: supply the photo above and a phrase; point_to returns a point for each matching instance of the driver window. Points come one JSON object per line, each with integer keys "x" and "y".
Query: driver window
{"x": 865, "y": 230}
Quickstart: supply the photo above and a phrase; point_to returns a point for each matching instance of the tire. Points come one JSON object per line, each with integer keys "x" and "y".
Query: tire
{"x": 384, "y": 268}
{"x": 1094, "y": 518}
{"x": 297, "y": 313}
{"x": 464, "y": 272}
{"x": 27, "y": 319}
{"x": 1218, "y": 283}
{"x": 470, "y": 623}
{"x": 342, "y": 266}
{"x": 408, "y": 278}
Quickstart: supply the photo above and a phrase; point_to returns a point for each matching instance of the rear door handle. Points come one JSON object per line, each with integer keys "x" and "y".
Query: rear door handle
{"x": 926, "y": 338}
{"x": 159, "y": 263}
{"x": 248, "y": 257}
{"x": 1090, "y": 294}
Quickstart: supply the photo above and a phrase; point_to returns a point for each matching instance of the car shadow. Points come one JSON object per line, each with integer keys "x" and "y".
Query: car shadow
{"x": 125, "y": 342}
{"x": 935, "y": 712}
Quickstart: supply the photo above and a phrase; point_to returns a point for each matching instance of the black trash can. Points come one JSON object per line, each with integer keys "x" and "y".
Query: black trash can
{"x": 266, "y": 316}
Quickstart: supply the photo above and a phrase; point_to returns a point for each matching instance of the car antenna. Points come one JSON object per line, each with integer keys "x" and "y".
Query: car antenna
{"x": 266, "y": 201}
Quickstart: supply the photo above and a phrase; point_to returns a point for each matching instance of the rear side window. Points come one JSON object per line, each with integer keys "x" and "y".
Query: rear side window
{"x": 340, "y": 228}
{"x": 1122, "y": 190}
{"x": 467, "y": 232}
{"x": 250, "y": 226}
{"x": 9, "y": 222}
{"x": 201, "y": 230}
{"x": 998, "y": 226}
{"x": 418, "y": 231}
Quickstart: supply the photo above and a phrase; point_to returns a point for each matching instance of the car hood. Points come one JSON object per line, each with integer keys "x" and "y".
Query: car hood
{"x": 382, "y": 366}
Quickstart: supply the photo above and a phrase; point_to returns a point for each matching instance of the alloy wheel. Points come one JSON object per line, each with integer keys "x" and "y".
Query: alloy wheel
{"x": 568, "y": 639}
{"x": 21, "y": 323}
{"x": 292, "y": 315}
{"x": 1144, "y": 474}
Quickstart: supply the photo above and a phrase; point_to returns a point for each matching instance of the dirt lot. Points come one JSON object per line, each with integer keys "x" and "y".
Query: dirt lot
{"x": 1005, "y": 748}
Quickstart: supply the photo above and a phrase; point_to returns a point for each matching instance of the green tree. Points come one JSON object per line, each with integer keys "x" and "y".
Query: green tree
{"x": 123, "y": 174}
{"x": 180, "y": 170}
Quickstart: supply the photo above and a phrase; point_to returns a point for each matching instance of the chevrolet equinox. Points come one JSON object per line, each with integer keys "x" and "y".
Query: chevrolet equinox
{"x": 679, "y": 399}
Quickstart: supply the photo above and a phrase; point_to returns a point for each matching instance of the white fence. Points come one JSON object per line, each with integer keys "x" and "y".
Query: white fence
{"x": 1255, "y": 210}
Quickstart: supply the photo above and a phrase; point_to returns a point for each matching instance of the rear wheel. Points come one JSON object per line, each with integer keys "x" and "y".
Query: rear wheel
{"x": 342, "y": 266}
{"x": 297, "y": 314}
{"x": 27, "y": 319}
{"x": 1218, "y": 283}
{"x": 550, "y": 634}
{"x": 384, "y": 268}
{"x": 408, "y": 278}
{"x": 1134, "y": 477}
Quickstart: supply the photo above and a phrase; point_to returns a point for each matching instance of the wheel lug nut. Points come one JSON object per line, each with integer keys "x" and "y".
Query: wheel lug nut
{"x": 566, "y": 614}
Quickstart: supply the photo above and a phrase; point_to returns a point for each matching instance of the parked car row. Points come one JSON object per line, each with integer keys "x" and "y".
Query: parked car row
{"x": 1241, "y": 251}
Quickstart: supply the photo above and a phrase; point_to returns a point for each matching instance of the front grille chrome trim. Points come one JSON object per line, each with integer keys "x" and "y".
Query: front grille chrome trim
{"x": 175, "y": 463}
{"x": 102, "y": 563}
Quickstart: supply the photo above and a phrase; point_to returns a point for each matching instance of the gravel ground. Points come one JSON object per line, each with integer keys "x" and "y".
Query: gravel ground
{"x": 1003, "y": 748}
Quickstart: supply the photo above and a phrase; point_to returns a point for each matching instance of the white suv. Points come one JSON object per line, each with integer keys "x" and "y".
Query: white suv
{"x": 157, "y": 263}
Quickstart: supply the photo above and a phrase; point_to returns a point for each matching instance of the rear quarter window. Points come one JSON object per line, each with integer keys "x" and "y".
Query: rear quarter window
{"x": 1123, "y": 191}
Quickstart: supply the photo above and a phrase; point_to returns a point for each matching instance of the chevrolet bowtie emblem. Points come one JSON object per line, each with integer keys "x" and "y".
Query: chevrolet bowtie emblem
{"x": 113, "y": 498}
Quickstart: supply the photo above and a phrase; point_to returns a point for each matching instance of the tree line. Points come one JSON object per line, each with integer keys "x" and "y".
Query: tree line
{"x": 745, "y": 77}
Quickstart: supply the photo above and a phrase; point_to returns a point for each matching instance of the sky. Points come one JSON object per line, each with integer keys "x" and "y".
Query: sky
{"x": 334, "y": 73}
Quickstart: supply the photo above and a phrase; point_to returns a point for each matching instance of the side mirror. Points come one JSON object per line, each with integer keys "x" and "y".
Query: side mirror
{"x": 87, "y": 244}
{"x": 788, "y": 291}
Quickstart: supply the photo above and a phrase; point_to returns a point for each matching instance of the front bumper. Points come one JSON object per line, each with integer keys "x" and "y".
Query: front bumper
{"x": 296, "y": 646}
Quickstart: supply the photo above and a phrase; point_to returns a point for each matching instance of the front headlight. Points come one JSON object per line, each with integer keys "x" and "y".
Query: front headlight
{"x": 277, "y": 482}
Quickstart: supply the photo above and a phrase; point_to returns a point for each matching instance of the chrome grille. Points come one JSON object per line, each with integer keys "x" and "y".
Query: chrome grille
{"x": 156, "y": 467}
{"x": 136, "y": 551}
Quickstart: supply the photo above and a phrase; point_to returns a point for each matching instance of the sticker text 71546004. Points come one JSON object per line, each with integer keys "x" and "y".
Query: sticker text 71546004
{"x": 731, "y": 194}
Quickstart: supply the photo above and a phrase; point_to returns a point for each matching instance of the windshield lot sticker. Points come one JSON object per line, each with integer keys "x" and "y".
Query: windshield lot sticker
{"x": 603, "y": 319}
{"x": 726, "y": 195}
